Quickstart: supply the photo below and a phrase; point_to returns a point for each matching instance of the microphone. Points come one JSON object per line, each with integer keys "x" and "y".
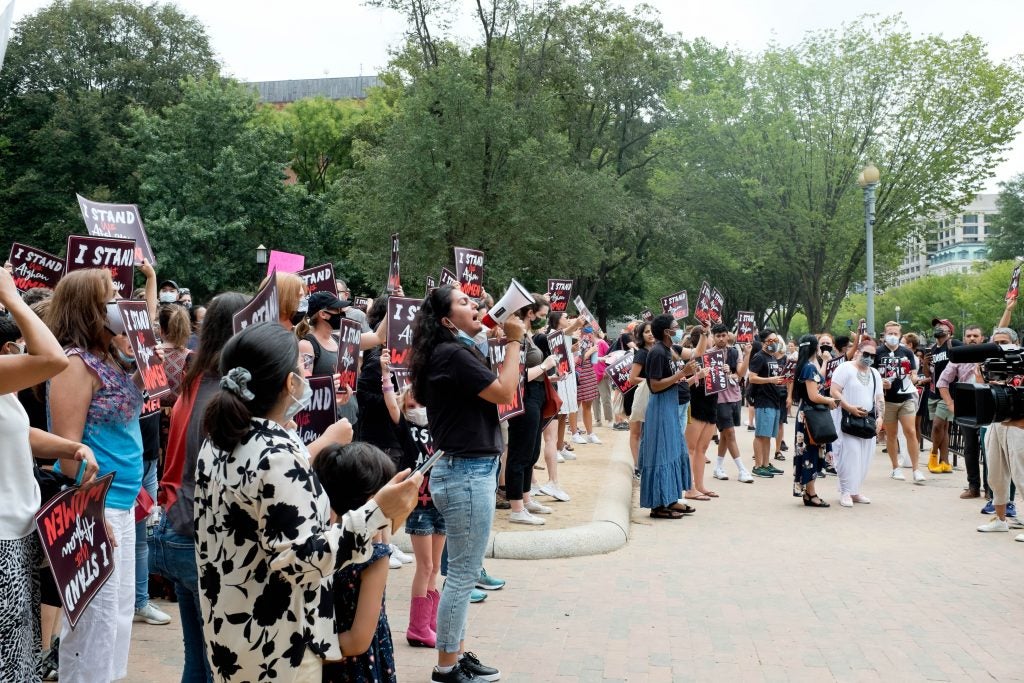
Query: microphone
{"x": 978, "y": 353}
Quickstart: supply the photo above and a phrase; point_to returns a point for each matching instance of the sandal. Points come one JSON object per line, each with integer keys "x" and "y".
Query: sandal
{"x": 814, "y": 501}
{"x": 685, "y": 509}
{"x": 697, "y": 497}
{"x": 780, "y": 456}
{"x": 798, "y": 490}
{"x": 710, "y": 494}
{"x": 666, "y": 513}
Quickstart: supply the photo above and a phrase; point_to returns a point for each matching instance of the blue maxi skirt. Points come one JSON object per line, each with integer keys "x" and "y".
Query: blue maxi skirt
{"x": 661, "y": 450}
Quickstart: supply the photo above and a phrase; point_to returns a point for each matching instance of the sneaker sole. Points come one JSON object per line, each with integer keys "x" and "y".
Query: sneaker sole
{"x": 484, "y": 587}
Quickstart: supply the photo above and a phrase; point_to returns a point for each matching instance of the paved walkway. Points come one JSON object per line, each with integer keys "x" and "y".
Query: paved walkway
{"x": 753, "y": 587}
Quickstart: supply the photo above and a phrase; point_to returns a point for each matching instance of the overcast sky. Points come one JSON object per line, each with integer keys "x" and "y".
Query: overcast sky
{"x": 260, "y": 40}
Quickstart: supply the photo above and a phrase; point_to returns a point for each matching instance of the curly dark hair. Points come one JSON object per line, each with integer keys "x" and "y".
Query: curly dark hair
{"x": 352, "y": 473}
{"x": 427, "y": 333}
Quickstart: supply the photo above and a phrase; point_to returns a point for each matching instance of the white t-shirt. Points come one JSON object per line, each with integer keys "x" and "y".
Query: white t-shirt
{"x": 855, "y": 393}
{"x": 19, "y": 492}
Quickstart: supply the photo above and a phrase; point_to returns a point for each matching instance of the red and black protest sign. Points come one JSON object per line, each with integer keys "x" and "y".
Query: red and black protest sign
{"x": 830, "y": 369}
{"x": 394, "y": 273}
{"x": 74, "y": 537}
{"x": 431, "y": 286}
{"x": 862, "y": 328}
{"x": 116, "y": 255}
{"x": 497, "y": 349}
{"x": 469, "y": 270}
{"x": 447, "y": 277}
{"x": 647, "y": 315}
{"x": 559, "y": 292}
{"x": 583, "y": 310}
{"x": 348, "y": 351}
{"x": 311, "y": 423}
{"x": 401, "y": 312}
{"x": 420, "y": 435}
{"x": 138, "y": 326}
{"x": 717, "y": 379}
{"x": 319, "y": 279}
{"x": 788, "y": 370}
{"x": 744, "y": 327}
{"x": 362, "y": 302}
{"x": 677, "y": 305}
{"x": 401, "y": 376}
{"x": 717, "y": 303}
{"x": 619, "y": 372}
{"x": 703, "y": 310}
{"x": 1014, "y": 289}
{"x": 117, "y": 220}
{"x": 34, "y": 268}
{"x": 560, "y": 350}
{"x": 262, "y": 308}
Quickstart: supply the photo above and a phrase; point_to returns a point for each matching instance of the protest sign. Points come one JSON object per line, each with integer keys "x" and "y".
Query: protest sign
{"x": 33, "y": 267}
{"x": 363, "y": 302}
{"x": 744, "y": 327}
{"x": 717, "y": 379}
{"x": 394, "y": 273}
{"x": 401, "y": 312}
{"x": 497, "y": 349}
{"x": 703, "y": 310}
{"x": 138, "y": 327}
{"x": 311, "y": 423}
{"x": 862, "y": 328}
{"x": 619, "y": 372}
{"x": 448, "y": 277}
{"x": 583, "y": 310}
{"x": 676, "y": 305}
{"x": 469, "y": 271}
{"x": 431, "y": 286}
{"x": 285, "y": 262}
{"x": 558, "y": 295}
{"x": 117, "y": 220}
{"x": 717, "y": 303}
{"x": 74, "y": 537}
{"x": 348, "y": 351}
{"x": 262, "y": 308}
{"x": 647, "y": 315}
{"x": 830, "y": 369}
{"x": 1014, "y": 289}
{"x": 788, "y": 370}
{"x": 116, "y": 255}
{"x": 401, "y": 377}
{"x": 560, "y": 350}
{"x": 319, "y": 279}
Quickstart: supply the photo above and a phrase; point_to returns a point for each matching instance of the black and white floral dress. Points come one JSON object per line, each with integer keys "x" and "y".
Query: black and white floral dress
{"x": 267, "y": 552}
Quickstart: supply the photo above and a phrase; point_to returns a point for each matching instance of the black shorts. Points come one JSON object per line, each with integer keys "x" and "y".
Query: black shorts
{"x": 728, "y": 415}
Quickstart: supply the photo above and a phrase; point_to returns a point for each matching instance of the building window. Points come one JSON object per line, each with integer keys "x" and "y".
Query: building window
{"x": 971, "y": 229}
{"x": 970, "y": 218}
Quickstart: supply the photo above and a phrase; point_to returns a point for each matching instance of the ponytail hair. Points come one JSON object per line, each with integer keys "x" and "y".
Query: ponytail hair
{"x": 254, "y": 366}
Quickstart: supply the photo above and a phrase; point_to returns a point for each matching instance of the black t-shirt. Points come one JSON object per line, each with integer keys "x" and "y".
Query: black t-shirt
{"x": 683, "y": 387}
{"x": 891, "y": 366}
{"x": 766, "y": 395}
{"x": 374, "y": 425}
{"x": 659, "y": 365}
{"x": 640, "y": 358}
{"x": 940, "y": 359}
{"x": 461, "y": 423}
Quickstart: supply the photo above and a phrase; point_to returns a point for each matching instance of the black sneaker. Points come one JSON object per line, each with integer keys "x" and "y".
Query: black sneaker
{"x": 458, "y": 674}
{"x": 773, "y": 469}
{"x": 471, "y": 665}
{"x": 784, "y": 446}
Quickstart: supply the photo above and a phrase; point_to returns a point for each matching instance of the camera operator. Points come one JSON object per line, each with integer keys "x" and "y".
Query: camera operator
{"x": 964, "y": 372}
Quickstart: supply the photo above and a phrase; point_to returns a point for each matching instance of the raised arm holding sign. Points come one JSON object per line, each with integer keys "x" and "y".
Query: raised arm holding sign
{"x": 117, "y": 220}
{"x": 33, "y": 267}
{"x": 401, "y": 313}
{"x": 116, "y": 255}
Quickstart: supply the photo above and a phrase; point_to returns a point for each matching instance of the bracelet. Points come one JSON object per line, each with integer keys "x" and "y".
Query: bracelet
{"x": 387, "y": 389}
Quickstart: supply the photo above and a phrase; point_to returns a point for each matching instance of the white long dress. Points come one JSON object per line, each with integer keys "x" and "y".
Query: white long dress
{"x": 853, "y": 457}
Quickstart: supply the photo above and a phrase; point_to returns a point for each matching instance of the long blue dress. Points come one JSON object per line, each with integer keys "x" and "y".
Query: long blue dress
{"x": 661, "y": 448}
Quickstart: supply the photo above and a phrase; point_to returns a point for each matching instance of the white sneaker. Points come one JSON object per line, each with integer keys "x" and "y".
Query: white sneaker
{"x": 903, "y": 460}
{"x": 560, "y": 456}
{"x": 524, "y": 517}
{"x": 746, "y": 478}
{"x": 394, "y": 562}
{"x": 1019, "y": 537}
{"x": 720, "y": 474}
{"x": 151, "y": 614}
{"x": 845, "y": 500}
{"x": 592, "y": 438}
{"x": 537, "y": 509}
{"x": 579, "y": 438}
{"x": 567, "y": 455}
{"x": 1015, "y": 523}
{"x": 918, "y": 477}
{"x": 860, "y": 498}
{"x": 897, "y": 475}
{"x": 995, "y": 525}
{"x": 555, "y": 491}
{"x": 404, "y": 558}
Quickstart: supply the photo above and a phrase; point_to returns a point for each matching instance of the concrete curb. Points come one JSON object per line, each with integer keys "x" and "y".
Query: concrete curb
{"x": 608, "y": 530}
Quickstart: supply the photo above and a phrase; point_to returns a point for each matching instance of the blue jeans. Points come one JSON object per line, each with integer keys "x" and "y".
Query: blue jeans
{"x": 766, "y": 422}
{"x": 141, "y": 547}
{"x": 173, "y": 556}
{"x": 463, "y": 492}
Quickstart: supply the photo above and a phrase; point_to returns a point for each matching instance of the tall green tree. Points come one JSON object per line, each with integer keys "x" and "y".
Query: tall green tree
{"x": 1006, "y": 238}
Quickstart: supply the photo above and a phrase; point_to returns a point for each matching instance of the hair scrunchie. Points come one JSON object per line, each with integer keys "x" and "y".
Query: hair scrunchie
{"x": 236, "y": 381}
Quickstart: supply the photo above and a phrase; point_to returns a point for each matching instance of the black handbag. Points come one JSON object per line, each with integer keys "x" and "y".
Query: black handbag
{"x": 862, "y": 427}
{"x": 818, "y": 423}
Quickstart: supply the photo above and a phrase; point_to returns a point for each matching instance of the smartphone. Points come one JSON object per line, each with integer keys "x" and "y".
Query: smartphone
{"x": 428, "y": 463}
{"x": 81, "y": 474}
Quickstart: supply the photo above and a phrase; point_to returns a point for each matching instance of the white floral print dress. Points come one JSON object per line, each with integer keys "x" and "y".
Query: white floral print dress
{"x": 266, "y": 552}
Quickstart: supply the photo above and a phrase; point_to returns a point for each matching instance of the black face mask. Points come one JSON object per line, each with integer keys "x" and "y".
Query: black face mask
{"x": 298, "y": 317}
{"x": 825, "y": 348}
{"x": 940, "y": 332}
{"x": 537, "y": 324}
{"x": 335, "y": 321}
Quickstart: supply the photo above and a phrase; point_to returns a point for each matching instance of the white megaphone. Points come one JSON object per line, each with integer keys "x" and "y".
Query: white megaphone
{"x": 515, "y": 298}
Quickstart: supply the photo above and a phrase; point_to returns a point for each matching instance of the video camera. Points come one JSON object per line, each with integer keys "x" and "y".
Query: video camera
{"x": 976, "y": 404}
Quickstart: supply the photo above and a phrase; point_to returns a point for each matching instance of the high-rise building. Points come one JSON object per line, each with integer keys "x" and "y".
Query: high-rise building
{"x": 949, "y": 243}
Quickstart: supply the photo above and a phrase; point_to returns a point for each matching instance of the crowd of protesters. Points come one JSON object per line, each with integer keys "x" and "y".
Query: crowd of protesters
{"x": 278, "y": 552}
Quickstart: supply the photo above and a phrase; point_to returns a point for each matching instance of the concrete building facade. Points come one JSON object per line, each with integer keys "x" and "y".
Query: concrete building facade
{"x": 950, "y": 243}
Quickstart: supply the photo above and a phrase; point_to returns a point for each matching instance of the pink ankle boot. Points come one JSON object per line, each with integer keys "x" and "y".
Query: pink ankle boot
{"x": 435, "y": 600}
{"x": 419, "y": 633}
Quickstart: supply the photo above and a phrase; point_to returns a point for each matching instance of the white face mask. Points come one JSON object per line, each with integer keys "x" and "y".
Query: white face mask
{"x": 892, "y": 340}
{"x": 302, "y": 402}
{"x": 168, "y": 297}
{"x": 114, "y": 322}
{"x": 418, "y": 416}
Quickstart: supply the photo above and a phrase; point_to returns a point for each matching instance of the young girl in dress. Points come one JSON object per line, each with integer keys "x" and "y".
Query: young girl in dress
{"x": 350, "y": 475}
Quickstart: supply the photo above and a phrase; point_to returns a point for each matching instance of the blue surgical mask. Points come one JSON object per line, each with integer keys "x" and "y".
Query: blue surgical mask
{"x": 302, "y": 402}
{"x": 125, "y": 358}
{"x": 677, "y": 336}
{"x": 867, "y": 360}
{"x": 465, "y": 338}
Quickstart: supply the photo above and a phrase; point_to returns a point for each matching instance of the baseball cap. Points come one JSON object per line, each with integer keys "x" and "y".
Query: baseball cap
{"x": 945, "y": 323}
{"x": 318, "y": 301}
{"x": 168, "y": 283}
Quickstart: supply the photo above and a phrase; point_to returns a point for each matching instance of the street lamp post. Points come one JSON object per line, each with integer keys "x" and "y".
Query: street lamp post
{"x": 868, "y": 180}
{"x": 898, "y": 309}
{"x": 261, "y": 261}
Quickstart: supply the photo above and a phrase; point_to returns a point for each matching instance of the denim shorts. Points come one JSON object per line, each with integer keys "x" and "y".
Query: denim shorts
{"x": 424, "y": 522}
{"x": 766, "y": 422}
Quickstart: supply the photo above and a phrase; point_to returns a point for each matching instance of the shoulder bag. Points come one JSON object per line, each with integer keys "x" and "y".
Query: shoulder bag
{"x": 862, "y": 427}
{"x": 818, "y": 423}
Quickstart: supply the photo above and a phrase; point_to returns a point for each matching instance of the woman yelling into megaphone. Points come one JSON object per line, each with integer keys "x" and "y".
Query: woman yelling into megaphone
{"x": 461, "y": 394}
